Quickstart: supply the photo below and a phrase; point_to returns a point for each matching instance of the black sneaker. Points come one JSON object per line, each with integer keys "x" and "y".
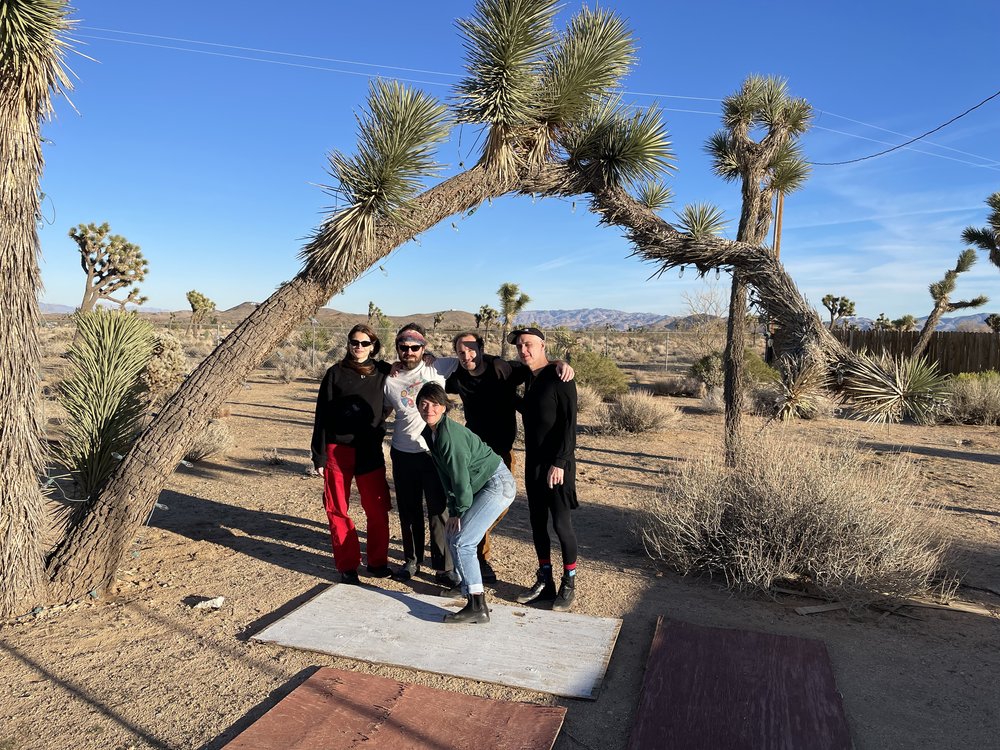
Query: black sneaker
{"x": 350, "y": 577}
{"x": 406, "y": 572}
{"x": 567, "y": 592}
{"x": 379, "y": 571}
{"x": 543, "y": 590}
{"x": 489, "y": 575}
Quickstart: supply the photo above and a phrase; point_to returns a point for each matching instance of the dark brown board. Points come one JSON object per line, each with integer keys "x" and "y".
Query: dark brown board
{"x": 723, "y": 689}
{"x": 337, "y": 709}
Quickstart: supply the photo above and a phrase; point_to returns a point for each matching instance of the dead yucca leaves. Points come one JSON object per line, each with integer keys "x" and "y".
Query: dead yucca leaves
{"x": 832, "y": 515}
{"x": 801, "y": 393}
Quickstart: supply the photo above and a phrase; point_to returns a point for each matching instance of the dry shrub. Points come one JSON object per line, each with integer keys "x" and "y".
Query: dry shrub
{"x": 587, "y": 398}
{"x": 974, "y": 399}
{"x": 167, "y": 368}
{"x": 215, "y": 438}
{"x": 318, "y": 371}
{"x": 831, "y": 515}
{"x": 640, "y": 412}
{"x": 678, "y": 385}
{"x": 713, "y": 402}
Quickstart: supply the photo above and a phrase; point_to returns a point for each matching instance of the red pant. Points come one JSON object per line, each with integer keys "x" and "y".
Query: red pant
{"x": 374, "y": 491}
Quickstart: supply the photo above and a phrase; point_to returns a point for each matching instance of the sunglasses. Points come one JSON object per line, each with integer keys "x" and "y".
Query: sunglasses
{"x": 409, "y": 347}
{"x": 359, "y": 343}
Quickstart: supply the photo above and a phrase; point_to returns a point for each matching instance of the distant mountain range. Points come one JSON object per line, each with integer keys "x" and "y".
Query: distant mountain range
{"x": 589, "y": 318}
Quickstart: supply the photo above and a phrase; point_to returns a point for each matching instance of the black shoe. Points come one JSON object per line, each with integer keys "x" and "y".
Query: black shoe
{"x": 447, "y": 578}
{"x": 475, "y": 611}
{"x": 406, "y": 572}
{"x": 380, "y": 571}
{"x": 351, "y": 577}
{"x": 543, "y": 590}
{"x": 489, "y": 576}
{"x": 567, "y": 592}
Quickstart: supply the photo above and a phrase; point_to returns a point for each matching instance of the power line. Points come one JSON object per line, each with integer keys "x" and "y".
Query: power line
{"x": 912, "y": 140}
{"x": 990, "y": 163}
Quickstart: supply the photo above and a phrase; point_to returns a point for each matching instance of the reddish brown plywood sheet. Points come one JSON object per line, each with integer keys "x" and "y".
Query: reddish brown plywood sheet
{"x": 335, "y": 709}
{"x": 722, "y": 689}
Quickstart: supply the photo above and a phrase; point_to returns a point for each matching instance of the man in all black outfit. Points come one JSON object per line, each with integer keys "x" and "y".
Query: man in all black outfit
{"x": 549, "y": 414}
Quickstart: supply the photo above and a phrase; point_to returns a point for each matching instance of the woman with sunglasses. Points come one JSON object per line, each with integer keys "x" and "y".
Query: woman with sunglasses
{"x": 346, "y": 446}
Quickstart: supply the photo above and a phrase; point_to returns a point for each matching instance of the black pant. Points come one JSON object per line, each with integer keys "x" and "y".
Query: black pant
{"x": 558, "y": 502}
{"x": 417, "y": 480}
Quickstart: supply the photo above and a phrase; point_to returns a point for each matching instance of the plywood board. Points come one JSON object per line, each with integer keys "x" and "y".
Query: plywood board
{"x": 722, "y": 689}
{"x": 551, "y": 652}
{"x": 336, "y": 710}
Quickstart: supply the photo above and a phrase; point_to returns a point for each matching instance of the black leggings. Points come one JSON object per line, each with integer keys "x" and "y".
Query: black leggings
{"x": 543, "y": 502}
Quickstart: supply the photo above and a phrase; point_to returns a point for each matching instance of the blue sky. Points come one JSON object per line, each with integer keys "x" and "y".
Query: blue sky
{"x": 211, "y": 156}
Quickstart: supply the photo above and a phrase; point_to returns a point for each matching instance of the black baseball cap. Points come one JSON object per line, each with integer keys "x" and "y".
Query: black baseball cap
{"x": 512, "y": 336}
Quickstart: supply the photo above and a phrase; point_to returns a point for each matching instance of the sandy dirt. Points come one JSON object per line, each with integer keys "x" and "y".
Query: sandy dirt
{"x": 142, "y": 668}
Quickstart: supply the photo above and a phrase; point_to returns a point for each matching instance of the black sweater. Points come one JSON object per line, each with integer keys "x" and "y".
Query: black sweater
{"x": 349, "y": 412}
{"x": 549, "y": 413}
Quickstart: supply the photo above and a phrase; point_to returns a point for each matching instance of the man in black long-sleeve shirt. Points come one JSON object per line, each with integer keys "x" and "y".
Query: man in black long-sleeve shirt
{"x": 549, "y": 414}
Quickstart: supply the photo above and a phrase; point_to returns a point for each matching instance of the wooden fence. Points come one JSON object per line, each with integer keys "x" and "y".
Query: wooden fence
{"x": 954, "y": 351}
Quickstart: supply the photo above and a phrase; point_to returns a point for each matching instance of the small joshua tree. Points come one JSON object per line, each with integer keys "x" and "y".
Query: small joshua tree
{"x": 882, "y": 322}
{"x": 200, "y": 307}
{"x": 111, "y": 263}
{"x": 993, "y": 321}
{"x": 512, "y": 301}
{"x": 839, "y": 307}
{"x": 485, "y": 318}
{"x": 905, "y": 323}
{"x": 941, "y": 293}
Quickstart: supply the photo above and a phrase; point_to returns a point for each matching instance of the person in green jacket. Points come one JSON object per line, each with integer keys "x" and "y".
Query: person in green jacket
{"x": 478, "y": 486}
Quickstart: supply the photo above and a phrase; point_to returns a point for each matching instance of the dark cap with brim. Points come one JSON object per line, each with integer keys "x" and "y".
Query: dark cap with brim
{"x": 512, "y": 336}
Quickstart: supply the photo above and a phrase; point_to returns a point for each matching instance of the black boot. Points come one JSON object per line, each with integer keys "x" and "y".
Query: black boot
{"x": 474, "y": 611}
{"x": 567, "y": 592}
{"x": 543, "y": 590}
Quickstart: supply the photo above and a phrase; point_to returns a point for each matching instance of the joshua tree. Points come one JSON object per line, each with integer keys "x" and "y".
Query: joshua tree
{"x": 485, "y": 318}
{"x": 882, "y": 322}
{"x": 987, "y": 238}
{"x": 993, "y": 321}
{"x": 512, "y": 301}
{"x": 761, "y": 104}
{"x": 839, "y": 307}
{"x": 111, "y": 263}
{"x": 374, "y": 314}
{"x": 200, "y": 307}
{"x": 553, "y": 127}
{"x": 438, "y": 317}
{"x": 905, "y": 323}
{"x": 941, "y": 294}
{"x": 31, "y": 71}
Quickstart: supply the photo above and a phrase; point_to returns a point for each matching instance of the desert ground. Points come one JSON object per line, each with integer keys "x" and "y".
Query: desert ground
{"x": 142, "y": 668}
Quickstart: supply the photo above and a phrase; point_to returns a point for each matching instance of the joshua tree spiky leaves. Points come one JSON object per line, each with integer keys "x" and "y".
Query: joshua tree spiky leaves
{"x": 761, "y": 103}
{"x": 32, "y": 45}
{"x": 987, "y": 238}
{"x": 601, "y": 155}
{"x": 111, "y": 263}
{"x": 512, "y": 301}
{"x": 941, "y": 294}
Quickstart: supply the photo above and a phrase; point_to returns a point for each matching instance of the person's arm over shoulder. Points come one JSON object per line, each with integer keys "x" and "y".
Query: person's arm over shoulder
{"x": 566, "y": 412}
{"x": 444, "y": 366}
{"x": 519, "y": 372}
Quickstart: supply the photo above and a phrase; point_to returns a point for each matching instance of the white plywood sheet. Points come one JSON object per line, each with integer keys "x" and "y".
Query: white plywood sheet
{"x": 552, "y": 652}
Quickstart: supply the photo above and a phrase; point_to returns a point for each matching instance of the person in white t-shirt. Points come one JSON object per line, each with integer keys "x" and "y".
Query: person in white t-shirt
{"x": 415, "y": 478}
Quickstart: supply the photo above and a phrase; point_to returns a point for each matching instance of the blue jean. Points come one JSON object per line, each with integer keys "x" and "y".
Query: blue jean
{"x": 487, "y": 506}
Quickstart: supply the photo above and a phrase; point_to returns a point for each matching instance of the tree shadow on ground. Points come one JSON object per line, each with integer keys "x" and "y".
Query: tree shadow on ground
{"x": 923, "y": 450}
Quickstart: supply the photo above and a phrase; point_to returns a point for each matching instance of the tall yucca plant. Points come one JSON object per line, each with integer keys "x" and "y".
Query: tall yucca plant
{"x": 103, "y": 396}
{"x": 396, "y": 139}
{"x": 888, "y": 389}
{"x": 32, "y": 45}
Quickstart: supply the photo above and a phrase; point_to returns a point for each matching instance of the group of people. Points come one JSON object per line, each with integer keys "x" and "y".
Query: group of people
{"x": 461, "y": 474}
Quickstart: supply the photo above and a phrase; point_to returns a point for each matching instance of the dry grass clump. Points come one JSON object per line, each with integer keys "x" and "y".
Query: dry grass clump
{"x": 973, "y": 399}
{"x": 713, "y": 401}
{"x": 215, "y": 438}
{"x": 679, "y": 385}
{"x": 640, "y": 412}
{"x": 587, "y": 399}
{"x": 828, "y": 514}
